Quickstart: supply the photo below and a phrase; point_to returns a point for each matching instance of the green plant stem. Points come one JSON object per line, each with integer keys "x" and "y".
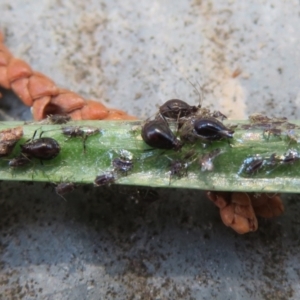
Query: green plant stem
{"x": 152, "y": 166}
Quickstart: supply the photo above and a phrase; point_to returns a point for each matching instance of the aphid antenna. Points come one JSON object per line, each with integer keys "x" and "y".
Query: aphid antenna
{"x": 193, "y": 85}
{"x": 200, "y": 94}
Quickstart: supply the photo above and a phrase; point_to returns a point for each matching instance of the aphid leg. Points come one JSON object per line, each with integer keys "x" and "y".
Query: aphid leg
{"x": 84, "y": 138}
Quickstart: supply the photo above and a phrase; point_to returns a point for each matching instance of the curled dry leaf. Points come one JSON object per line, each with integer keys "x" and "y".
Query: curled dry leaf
{"x": 267, "y": 205}
{"x": 236, "y": 210}
{"x": 8, "y": 139}
{"x": 239, "y": 210}
{"x": 44, "y": 96}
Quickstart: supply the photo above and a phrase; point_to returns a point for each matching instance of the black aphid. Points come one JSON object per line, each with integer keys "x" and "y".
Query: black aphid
{"x": 206, "y": 129}
{"x": 42, "y": 148}
{"x": 176, "y": 109}
{"x": 157, "y": 134}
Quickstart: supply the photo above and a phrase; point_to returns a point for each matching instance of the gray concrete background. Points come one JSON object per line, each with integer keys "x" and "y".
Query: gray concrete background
{"x": 117, "y": 243}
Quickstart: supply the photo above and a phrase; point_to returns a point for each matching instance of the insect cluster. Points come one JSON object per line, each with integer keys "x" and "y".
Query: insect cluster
{"x": 183, "y": 141}
{"x": 193, "y": 125}
{"x": 41, "y": 148}
{"x": 121, "y": 166}
{"x": 272, "y": 128}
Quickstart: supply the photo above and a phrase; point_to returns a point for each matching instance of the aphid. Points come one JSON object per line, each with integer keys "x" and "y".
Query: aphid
{"x": 292, "y": 136}
{"x": 8, "y": 139}
{"x": 64, "y": 188}
{"x": 76, "y": 131}
{"x": 42, "y": 148}
{"x": 273, "y": 131}
{"x": 206, "y": 129}
{"x": 212, "y": 129}
{"x": 157, "y": 134}
{"x": 206, "y": 160}
{"x": 122, "y": 164}
{"x": 19, "y": 161}
{"x": 252, "y": 164}
{"x": 105, "y": 179}
{"x": 290, "y": 157}
{"x": 58, "y": 119}
{"x": 259, "y": 118}
{"x": 178, "y": 168}
{"x": 218, "y": 115}
{"x": 176, "y": 109}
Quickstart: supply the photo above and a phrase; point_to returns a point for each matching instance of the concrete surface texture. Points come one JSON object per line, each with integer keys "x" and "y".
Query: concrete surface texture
{"x": 118, "y": 243}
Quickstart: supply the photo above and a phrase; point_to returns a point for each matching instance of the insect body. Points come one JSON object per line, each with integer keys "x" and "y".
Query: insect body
{"x": 58, "y": 119}
{"x": 157, "y": 134}
{"x": 206, "y": 160}
{"x": 178, "y": 168}
{"x": 19, "y": 161}
{"x": 64, "y": 188}
{"x": 175, "y": 109}
{"x": 105, "y": 179}
{"x": 206, "y": 129}
{"x": 122, "y": 164}
{"x": 211, "y": 129}
{"x": 76, "y": 131}
{"x": 42, "y": 148}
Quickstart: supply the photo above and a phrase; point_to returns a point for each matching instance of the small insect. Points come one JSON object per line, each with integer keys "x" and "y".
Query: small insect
{"x": 8, "y": 139}
{"x": 157, "y": 134}
{"x": 272, "y": 131}
{"x": 43, "y": 148}
{"x": 58, "y": 119}
{"x": 218, "y": 115}
{"x": 259, "y": 118}
{"x": 290, "y": 157}
{"x": 212, "y": 129}
{"x": 122, "y": 164}
{"x": 176, "y": 109}
{"x": 206, "y": 129}
{"x": 76, "y": 131}
{"x": 105, "y": 179}
{"x": 292, "y": 136}
{"x": 206, "y": 160}
{"x": 178, "y": 168}
{"x": 252, "y": 164}
{"x": 19, "y": 161}
{"x": 64, "y": 188}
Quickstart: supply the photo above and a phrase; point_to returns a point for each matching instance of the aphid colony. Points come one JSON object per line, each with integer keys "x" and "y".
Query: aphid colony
{"x": 254, "y": 164}
{"x": 175, "y": 125}
{"x": 193, "y": 124}
{"x": 46, "y": 148}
